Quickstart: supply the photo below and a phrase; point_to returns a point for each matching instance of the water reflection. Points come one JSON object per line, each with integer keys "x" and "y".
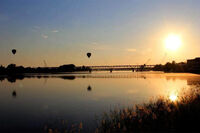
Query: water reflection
{"x": 2, "y": 79}
{"x": 191, "y": 78}
{"x": 89, "y": 88}
{"x": 14, "y": 94}
{"x": 173, "y": 97}
{"x": 14, "y": 78}
{"x": 64, "y": 96}
{"x": 67, "y": 77}
{"x": 194, "y": 81}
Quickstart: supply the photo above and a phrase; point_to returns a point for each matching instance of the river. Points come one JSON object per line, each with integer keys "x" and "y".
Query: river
{"x": 36, "y": 102}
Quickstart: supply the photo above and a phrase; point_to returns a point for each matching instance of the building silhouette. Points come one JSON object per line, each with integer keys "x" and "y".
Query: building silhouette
{"x": 194, "y": 65}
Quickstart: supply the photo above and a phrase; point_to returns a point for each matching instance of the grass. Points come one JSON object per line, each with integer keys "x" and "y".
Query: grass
{"x": 63, "y": 126}
{"x": 162, "y": 115}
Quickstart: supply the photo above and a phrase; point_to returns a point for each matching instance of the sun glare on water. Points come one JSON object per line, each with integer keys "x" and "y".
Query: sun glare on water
{"x": 173, "y": 42}
{"x": 173, "y": 97}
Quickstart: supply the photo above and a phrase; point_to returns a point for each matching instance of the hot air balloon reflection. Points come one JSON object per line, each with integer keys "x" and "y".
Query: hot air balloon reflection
{"x": 14, "y": 94}
{"x": 89, "y": 88}
{"x": 89, "y": 55}
{"x": 14, "y": 51}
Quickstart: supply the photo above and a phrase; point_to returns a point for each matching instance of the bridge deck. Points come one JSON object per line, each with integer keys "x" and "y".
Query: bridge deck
{"x": 122, "y": 66}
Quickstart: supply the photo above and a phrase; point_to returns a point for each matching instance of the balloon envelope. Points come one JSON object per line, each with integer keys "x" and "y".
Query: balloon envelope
{"x": 89, "y": 55}
{"x": 14, "y": 51}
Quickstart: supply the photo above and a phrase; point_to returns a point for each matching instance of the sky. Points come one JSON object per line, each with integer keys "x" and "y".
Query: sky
{"x": 114, "y": 31}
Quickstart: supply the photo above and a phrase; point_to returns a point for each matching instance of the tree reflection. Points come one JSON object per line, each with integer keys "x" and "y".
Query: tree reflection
{"x": 14, "y": 78}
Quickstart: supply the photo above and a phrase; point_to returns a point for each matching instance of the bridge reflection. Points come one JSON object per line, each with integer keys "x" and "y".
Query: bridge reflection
{"x": 112, "y": 68}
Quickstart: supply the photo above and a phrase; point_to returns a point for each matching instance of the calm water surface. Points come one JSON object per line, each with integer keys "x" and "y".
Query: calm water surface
{"x": 38, "y": 100}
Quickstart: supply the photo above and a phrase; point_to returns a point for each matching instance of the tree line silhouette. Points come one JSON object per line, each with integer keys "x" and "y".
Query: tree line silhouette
{"x": 12, "y": 69}
{"x": 172, "y": 67}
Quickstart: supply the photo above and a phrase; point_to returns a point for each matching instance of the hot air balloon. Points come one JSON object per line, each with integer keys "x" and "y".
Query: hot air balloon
{"x": 14, "y": 51}
{"x": 89, "y": 55}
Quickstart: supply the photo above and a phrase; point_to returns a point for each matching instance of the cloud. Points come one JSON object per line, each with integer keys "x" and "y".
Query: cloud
{"x": 44, "y": 36}
{"x": 55, "y": 31}
{"x": 131, "y": 50}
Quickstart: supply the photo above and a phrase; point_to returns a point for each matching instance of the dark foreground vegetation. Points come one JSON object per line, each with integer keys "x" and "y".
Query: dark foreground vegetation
{"x": 161, "y": 115}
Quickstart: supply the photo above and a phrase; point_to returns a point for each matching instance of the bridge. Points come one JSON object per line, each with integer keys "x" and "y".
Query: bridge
{"x": 121, "y": 68}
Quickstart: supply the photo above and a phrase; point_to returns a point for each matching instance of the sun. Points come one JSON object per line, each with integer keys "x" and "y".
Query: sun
{"x": 173, "y": 42}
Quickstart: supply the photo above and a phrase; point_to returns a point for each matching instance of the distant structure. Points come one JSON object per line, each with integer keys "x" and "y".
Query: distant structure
{"x": 45, "y": 63}
{"x": 194, "y": 65}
